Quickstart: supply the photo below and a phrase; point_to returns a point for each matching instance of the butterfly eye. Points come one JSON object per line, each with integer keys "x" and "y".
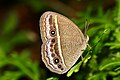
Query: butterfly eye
{"x": 53, "y": 40}
{"x": 56, "y": 60}
{"x": 52, "y": 32}
{"x": 51, "y": 45}
{"x": 53, "y": 55}
{"x": 59, "y": 66}
{"x": 51, "y": 50}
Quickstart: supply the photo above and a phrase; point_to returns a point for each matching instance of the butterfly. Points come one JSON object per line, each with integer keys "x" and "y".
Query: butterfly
{"x": 63, "y": 42}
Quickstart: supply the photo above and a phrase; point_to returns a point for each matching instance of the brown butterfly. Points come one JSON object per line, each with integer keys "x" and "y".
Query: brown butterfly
{"x": 63, "y": 42}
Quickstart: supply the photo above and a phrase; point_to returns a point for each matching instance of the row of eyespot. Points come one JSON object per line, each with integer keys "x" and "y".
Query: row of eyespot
{"x": 56, "y": 61}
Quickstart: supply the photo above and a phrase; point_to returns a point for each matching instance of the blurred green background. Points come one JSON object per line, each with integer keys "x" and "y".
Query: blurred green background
{"x": 20, "y": 41}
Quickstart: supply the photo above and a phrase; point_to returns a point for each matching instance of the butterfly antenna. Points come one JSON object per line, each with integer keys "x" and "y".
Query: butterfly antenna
{"x": 86, "y": 28}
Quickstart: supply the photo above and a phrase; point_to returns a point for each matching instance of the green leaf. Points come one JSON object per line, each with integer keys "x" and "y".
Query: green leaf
{"x": 114, "y": 73}
{"x": 113, "y": 45}
{"x": 74, "y": 69}
{"x": 116, "y": 78}
{"x": 10, "y": 75}
{"x": 77, "y": 66}
{"x": 98, "y": 76}
{"x": 93, "y": 63}
{"x": 3, "y": 58}
{"x": 110, "y": 63}
{"x": 52, "y": 78}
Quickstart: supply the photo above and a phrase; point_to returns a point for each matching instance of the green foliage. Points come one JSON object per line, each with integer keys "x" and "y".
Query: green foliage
{"x": 104, "y": 33}
{"x": 77, "y": 66}
{"x": 52, "y": 78}
{"x": 116, "y": 37}
{"x": 101, "y": 62}
{"x": 20, "y": 63}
